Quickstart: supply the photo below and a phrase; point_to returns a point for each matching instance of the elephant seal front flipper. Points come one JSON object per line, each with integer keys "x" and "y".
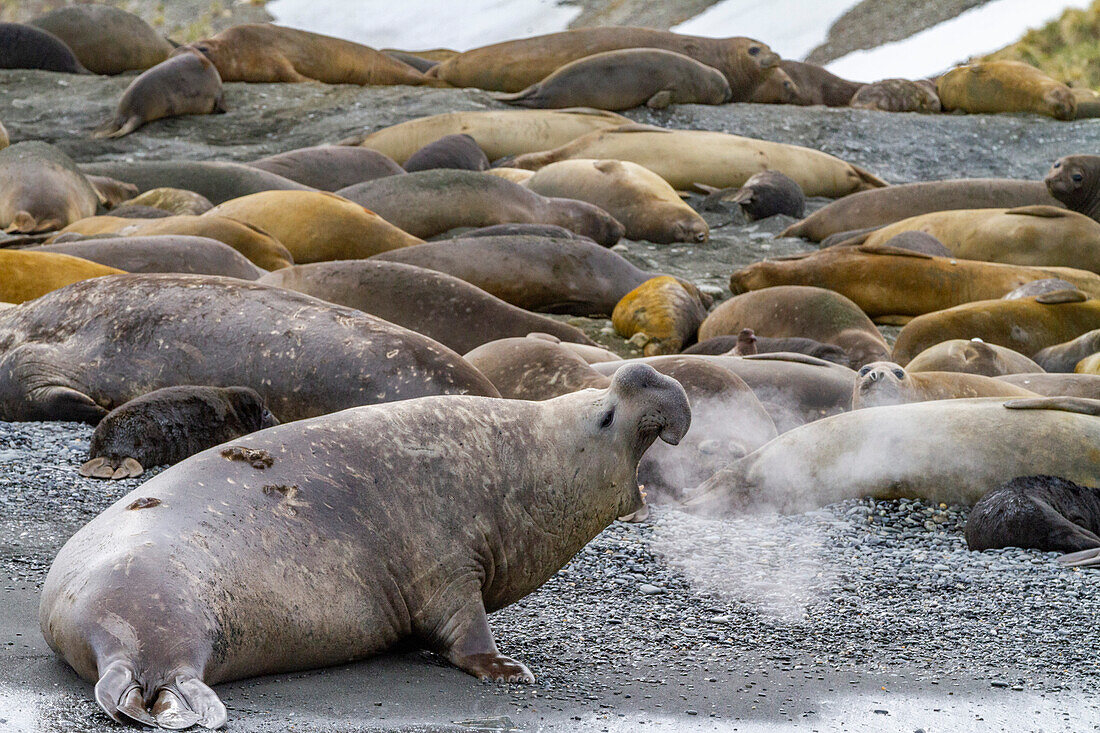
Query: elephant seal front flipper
{"x": 1081, "y": 405}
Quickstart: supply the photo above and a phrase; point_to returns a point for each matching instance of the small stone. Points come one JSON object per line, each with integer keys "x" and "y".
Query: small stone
{"x": 650, "y": 590}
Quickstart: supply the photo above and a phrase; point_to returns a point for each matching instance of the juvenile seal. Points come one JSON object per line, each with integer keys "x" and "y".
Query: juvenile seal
{"x": 1065, "y": 357}
{"x": 816, "y": 85}
{"x": 316, "y": 226}
{"x": 897, "y": 95}
{"x": 175, "y": 201}
{"x": 77, "y": 352}
{"x": 29, "y": 275}
{"x": 106, "y": 40}
{"x": 329, "y": 167}
{"x": 1005, "y": 86}
{"x": 727, "y": 345}
{"x": 261, "y": 52}
{"x": 218, "y": 182}
{"x": 886, "y": 383}
{"x": 1037, "y": 512}
{"x": 26, "y": 47}
{"x": 225, "y": 624}
{"x": 162, "y": 253}
{"x": 972, "y": 357}
{"x": 187, "y": 84}
{"x": 665, "y": 311}
{"x": 1075, "y": 181}
{"x": 453, "y": 312}
{"x": 639, "y": 199}
{"x": 767, "y": 193}
{"x": 167, "y": 425}
{"x": 450, "y": 151}
{"x": 777, "y": 88}
{"x": 429, "y": 203}
{"x": 624, "y": 79}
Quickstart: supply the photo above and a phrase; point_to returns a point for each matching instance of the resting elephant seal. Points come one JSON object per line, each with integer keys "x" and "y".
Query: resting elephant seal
{"x": 1038, "y": 287}
{"x": 174, "y": 201}
{"x": 1065, "y": 357}
{"x": 225, "y": 600}
{"x": 261, "y": 52}
{"x": 951, "y": 451}
{"x": 726, "y": 345}
{"x": 43, "y": 189}
{"x": 637, "y": 198}
{"x": 163, "y": 253}
{"x": 534, "y": 368}
{"x": 1075, "y": 181}
{"x": 624, "y": 79}
{"x": 686, "y": 157}
{"x": 880, "y": 207}
{"x": 167, "y": 425}
{"x": 77, "y": 352}
{"x": 187, "y": 84}
{"x": 215, "y": 181}
{"x": 453, "y": 312}
{"x": 29, "y": 275}
{"x": 1037, "y": 512}
{"x": 429, "y": 203}
{"x": 106, "y": 40}
{"x": 329, "y": 167}
{"x": 1005, "y": 86}
{"x": 886, "y": 383}
{"x": 497, "y": 132}
{"x": 897, "y": 95}
{"x": 27, "y": 47}
{"x": 515, "y": 65}
{"x": 258, "y": 246}
{"x": 417, "y": 62}
{"x": 1057, "y": 385}
{"x": 971, "y": 357}
{"x": 665, "y": 311}
{"x": 893, "y": 285}
{"x": 1025, "y": 325}
{"x": 777, "y": 88}
{"x": 818, "y": 86}
{"x": 459, "y": 151}
{"x": 591, "y": 354}
{"x": 768, "y": 193}
{"x": 550, "y": 275}
{"x": 316, "y": 226}
{"x": 808, "y": 312}
{"x": 1089, "y": 365}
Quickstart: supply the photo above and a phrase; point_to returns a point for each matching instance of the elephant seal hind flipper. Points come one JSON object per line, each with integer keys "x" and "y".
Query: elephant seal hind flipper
{"x": 180, "y": 704}
{"x": 1081, "y": 559}
{"x": 1081, "y": 405}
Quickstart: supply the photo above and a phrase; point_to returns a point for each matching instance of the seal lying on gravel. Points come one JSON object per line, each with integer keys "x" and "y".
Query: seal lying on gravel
{"x": 429, "y": 545}
{"x": 897, "y": 95}
{"x": 107, "y": 40}
{"x": 766, "y": 194}
{"x": 1040, "y": 512}
{"x": 1005, "y": 86}
{"x": 217, "y": 181}
{"x": 663, "y": 310}
{"x": 972, "y": 356}
{"x": 887, "y": 383}
{"x": 42, "y": 189}
{"x": 79, "y": 351}
{"x": 818, "y": 86}
{"x": 450, "y": 151}
{"x": 167, "y": 253}
{"x": 329, "y": 167}
{"x": 952, "y": 451}
{"x": 167, "y": 425}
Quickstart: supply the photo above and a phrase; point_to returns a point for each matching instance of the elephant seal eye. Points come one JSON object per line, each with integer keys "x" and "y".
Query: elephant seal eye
{"x": 864, "y": 371}
{"x": 1077, "y": 177}
{"x": 608, "y": 418}
{"x": 899, "y": 374}
{"x": 1058, "y": 164}
{"x": 754, "y": 51}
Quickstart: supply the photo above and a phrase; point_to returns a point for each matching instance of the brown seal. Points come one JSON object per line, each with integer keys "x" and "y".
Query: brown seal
{"x": 1075, "y": 181}
{"x": 818, "y": 86}
{"x": 1065, "y": 357}
{"x": 163, "y": 253}
{"x": 173, "y": 201}
{"x": 1057, "y": 385}
{"x": 1005, "y": 86}
{"x": 972, "y": 356}
{"x": 886, "y": 383}
{"x": 329, "y": 167}
{"x": 1088, "y": 103}
{"x": 214, "y": 180}
{"x": 107, "y": 40}
{"x": 777, "y": 88}
{"x": 43, "y": 189}
{"x": 768, "y": 193}
{"x": 187, "y": 84}
{"x": 29, "y": 275}
{"x": 26, "y": 47}
{"x": 664, "y": 311}
{"x": 624, "y": 79}
{"x": 1089, "y": 365}
{"x": 459, "y": 151}
{"x": 897, "y": 95}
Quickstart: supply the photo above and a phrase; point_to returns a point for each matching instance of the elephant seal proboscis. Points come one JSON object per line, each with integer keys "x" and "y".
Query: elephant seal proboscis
{"x": 80, "y": 351}
{"x": 951, "y": 451}
{"x": 1057, "y": 385}
{"x": 972, "y": 356}
{"x": 886, "y": 383}
{"x": 30, "y": 275}
{"x": 897, "y": 95}
{"x": 217, "y": 586}
{"x": 455, "y": 313}
{"x": 163, "y": 253}
{"x": 638, "y": 198}
{"x": 663, "y": 310}
{"x": 167, "y": 425}
{"x": 726, "y": 345}
{"x": 329, "y": 167}
{"x": 216, "y": 181}
{"x": 43, "y": 189}
{"x": 624, "y": 79}
{"x": 105, "y": 39}
{"x": 173, "y": 201}
{"x": 1005, "y": 86}
{"x": 429, "y": 203}
{"x": 26, "y": 47}
{"x": 187, "y": 84}
{"x": 1065, "y": 357}
{"x": 459, "y": 151}
{"x": 1074, "y": 180}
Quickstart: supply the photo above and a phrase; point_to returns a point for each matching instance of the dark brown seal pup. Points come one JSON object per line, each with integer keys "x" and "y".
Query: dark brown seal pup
{"x": 1064, "y": 357}
{"x": 1075, "y": 181}
{"x": 217, "y": 181}
{"x": 766, "y": 194}
{"x": 167, "y": 425}
{"x": 26, "y": 47}
{"x": 106, "y": 40}
{"x": 329, "y": 167}
{"x": 897, "y": 95}
{"x": 450, "y": 151}
{"x": 1037, "y": 512}
{"x": 187, "y": 84}
{"x": 818, "y": 86}
{"x": 164, "y": 253}
{"x": 80, "y": 351}
{"x": 454, "y": 528}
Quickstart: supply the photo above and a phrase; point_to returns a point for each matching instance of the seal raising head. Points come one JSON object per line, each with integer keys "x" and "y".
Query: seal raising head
{"x": 880, "y": 383}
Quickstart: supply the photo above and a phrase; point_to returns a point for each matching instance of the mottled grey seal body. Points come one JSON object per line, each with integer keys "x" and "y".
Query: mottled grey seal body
{"x": 166, "y": 253}
{"x": 217, "y": 181}
{"x": 463, "y": 509}
{"x": 459, "y": 151}
{"x": 455, "y": 313}
{"x": 106, "y": 40}
{"x": 89, "y": 347}
{"x": 329, "y": 167}
{"x": 26, "y": 47}
{"x": 897, "y": 95}
{"x": 167, "y": 425}
{"x": 1041, "y": 512}
{"x": 42, "y": 189}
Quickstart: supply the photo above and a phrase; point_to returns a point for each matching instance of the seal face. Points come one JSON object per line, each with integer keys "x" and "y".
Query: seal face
{"x": 1075, "y": 181}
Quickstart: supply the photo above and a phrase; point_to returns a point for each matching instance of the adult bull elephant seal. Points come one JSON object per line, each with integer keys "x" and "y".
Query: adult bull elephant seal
{"x": 455, "y": 313}
{"x": 1065, "y": 357}
{"x": 879, "y": 207}
{"x": 164, "y": 253}
{"x": 187, "y": 84}
{"x": 624, "y": 79}
{"x": 1005, "y": 86}
{"x": 225, "y": 601}
{"x": 952, "y": 451}
{"x": 515, "y": 65}
{"x": 1075, "y": 181}
{"x": 29, "y": 275}
{"x": 43, "y": 189}
{"x": 458, "y": 151}
{"x": 106, "y": 40}
{"x": 216, "y": 181}
{"x": 26, "y": 47}
{"x": 886, "y": 383}
{"x": 429, "y": 203}
{"x": 82, "y": 350}
{"x": 897, "y": 95}
{"x": 329, "y": 167}
{"x": 167, "y": 425}
{"x": 261, "y": 52}
{"x": 972, "y": 356}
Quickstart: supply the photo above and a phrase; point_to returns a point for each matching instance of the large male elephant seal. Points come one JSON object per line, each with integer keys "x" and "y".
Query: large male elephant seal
{"x": 1041, "y": 512}
{"x": 167, "y": 425}
{"x": 1065, "y": 357}
{"x": 459, "y": 151}
{"x": 428, "y": 546}
{"x": 816, "y": 85}
{"x": 42, "y": 189}
{"x": 515, "y": 65}
{"x": 429, "y": 203}
{"x": 951, "y": 451}
{"x": 27, "y": 47}
{"x": 1005, "y": 86}
{"x": 217, "y": 181}
{"x": 261, "y": 52}
{"x": 163, "y": 253}
{"x": 886, "y": 383}
{"x": 329, "y": 167}
{"x": 29, "y": 275}
{"x": 880, "y": 207}
{"x": 77, "y": 352}
{"x": 972, "y": 356}
{"x": 624, "y": 79}
{"x": 687, "y": 157}
{"x": 455, "y": 313}
{"x": 106, "y": 40}
{"x": 1075, "y": 181}
{"x": 187, "y": 84}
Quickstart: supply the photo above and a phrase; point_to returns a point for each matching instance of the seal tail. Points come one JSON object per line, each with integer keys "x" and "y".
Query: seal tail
{"x": 529, "y": 97}
{"x": 182, "y": 702}
{"x": 117, "y": 127}
{"x": 868, "y": 179}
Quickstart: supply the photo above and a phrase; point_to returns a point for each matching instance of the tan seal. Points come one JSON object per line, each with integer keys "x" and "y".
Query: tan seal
{"x": 1005, "y": 86}
{"x": 29, "y": 275}
{"x": 105, "y": 39}
{"x": 886, "y": 383}
{"x": 666, "y": 311}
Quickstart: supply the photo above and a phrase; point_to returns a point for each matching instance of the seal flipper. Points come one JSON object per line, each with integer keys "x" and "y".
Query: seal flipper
{"x": 466, "y": 640}
{"x": 1082, "y": 559}
{"x": 119, "y": 694}
{"x": 1081, "y": 405}
{"x": 112, "y": 467}
{"x": 188, "y": 701}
